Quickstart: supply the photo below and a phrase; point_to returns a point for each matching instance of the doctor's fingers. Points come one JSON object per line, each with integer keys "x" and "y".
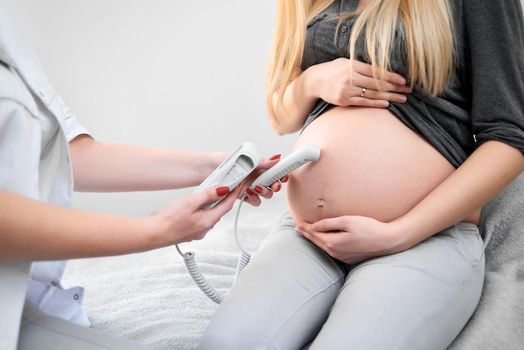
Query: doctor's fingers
{"x": 198, "y": 200}
{"x": 252, "y": 198}
{"x": 267, "y": 163}
{"x": 222, "y": 208}
{"x": 264, "y": 191}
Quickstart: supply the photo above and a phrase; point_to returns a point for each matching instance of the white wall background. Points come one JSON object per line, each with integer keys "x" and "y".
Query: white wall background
{"x": 163, "y": 73}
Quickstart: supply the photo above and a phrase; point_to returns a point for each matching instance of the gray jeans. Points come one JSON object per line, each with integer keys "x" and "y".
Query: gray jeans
{"x": 293, "y": 295}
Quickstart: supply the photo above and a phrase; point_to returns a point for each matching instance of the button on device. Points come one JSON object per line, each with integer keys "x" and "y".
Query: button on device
{"x": 344, "y": 28}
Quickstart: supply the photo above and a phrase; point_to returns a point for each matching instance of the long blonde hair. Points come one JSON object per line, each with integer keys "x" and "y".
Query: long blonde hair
{"x": 428, "y": 34}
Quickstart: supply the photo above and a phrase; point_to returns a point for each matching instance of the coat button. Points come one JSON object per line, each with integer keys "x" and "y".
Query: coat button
{"x": 344, "y": 28}
{"x": 54, "y": 283}
{"x": 41, "y": 93}
{"x": 76, "y": 296}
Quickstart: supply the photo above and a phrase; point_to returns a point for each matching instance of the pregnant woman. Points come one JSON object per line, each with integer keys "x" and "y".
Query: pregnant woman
{"x": 418, "y": 107}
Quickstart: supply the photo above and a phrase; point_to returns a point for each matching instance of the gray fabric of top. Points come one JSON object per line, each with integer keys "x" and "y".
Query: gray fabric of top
{"x": 485, "y": 99}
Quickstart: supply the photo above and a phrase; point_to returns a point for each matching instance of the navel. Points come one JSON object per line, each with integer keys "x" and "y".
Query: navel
{"x": 320, "y": 203}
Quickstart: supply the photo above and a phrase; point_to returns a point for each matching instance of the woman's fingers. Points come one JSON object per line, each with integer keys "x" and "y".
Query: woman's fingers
{"x": 366, "y": 102}
{"x": 329, "y": 225}
{"x": 363, "y": 81}
{"x": 313, "y": 238}
{"x": 367, "y": 69}
{"x": 379, "y": 95}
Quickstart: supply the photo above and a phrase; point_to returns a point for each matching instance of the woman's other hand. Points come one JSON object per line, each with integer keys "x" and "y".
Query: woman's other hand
{"x": 335, "y": 82}
{"x": 352, "y": 239}
{"x": 184, "y": 220}
{"x": 253, "y": 195}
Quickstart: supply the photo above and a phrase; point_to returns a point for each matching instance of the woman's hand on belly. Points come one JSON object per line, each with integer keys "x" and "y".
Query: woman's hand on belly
{"x": 344, "y": 82}
{"x": 352, "y": 239}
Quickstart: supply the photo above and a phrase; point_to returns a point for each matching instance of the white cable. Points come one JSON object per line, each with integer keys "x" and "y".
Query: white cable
{"x": 198, "y": 277}
{"x": 235, "y": 228}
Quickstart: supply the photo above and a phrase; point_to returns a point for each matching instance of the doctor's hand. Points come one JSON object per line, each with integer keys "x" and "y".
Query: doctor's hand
{"x": 253, "y": 195}
{"x": 183, "y": 220}
{"x": 352, "y": 239}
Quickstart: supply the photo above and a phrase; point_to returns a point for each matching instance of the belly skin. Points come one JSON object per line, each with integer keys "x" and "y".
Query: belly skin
{"x": 371, "y": 164}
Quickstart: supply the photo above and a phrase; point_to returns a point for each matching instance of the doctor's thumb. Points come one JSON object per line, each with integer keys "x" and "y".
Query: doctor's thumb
{"x": 210, "y": 194}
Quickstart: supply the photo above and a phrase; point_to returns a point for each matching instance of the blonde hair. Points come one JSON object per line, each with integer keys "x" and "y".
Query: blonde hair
{"x": 428, "y": 35}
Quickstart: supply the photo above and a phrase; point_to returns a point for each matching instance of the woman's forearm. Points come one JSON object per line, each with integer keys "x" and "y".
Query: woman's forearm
{"x": 298, "y": 100}
{"x": 32, "y": 230}
{"x": 105, "y": 167}
{"x": 481, "y": 177}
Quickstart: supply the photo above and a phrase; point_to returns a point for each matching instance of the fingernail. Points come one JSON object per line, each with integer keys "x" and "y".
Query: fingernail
{"x": 284, "y": 179}
{"x": 276, "y": 156}
{"x": 403, "y": 99}
{"x": 250, "y": 191}
{"x": 222, "y": 191}
{"x": 259, "y": 189}
{"x": 279, "y": 186}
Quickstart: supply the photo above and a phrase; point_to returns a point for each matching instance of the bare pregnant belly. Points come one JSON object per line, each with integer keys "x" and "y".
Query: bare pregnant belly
{"x": 371, "y": 164}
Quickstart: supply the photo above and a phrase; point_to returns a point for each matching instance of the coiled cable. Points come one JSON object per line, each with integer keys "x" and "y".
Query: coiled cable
{"x": 198, "y": 277}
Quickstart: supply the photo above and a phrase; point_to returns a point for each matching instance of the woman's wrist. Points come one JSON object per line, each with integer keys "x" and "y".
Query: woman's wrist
{"x": 311, "y": 82}
{"x": 405, "y": 232}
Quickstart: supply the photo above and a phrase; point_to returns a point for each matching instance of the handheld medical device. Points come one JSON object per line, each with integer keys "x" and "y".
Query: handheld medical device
{"x": 230, "y": 173}
{"x": 287, "y": 165}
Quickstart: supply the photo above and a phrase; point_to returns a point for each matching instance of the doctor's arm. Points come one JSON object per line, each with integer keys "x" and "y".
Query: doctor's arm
{"x": 33, "y": 230}
{"x": 106, "y": 167}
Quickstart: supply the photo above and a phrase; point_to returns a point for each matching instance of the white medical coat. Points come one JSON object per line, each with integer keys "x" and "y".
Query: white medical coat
{"x": 35, "y": 128}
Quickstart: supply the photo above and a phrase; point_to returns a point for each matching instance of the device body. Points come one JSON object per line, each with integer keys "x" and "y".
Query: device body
{"x": 232, "y": 171}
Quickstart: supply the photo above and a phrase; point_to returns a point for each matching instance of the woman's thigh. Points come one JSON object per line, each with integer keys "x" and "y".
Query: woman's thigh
{"x": 418, "y": 299}
{"x": 282, "y": 298}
